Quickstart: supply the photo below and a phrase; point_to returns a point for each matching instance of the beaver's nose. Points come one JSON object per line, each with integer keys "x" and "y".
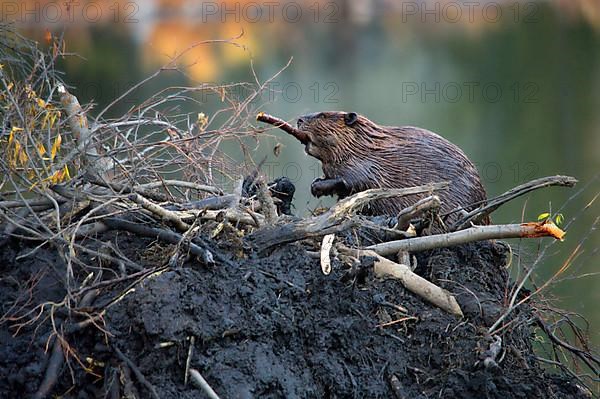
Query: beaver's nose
{"x": 304, "y": 119}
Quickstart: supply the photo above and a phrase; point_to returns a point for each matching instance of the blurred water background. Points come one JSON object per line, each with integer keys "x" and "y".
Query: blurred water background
{"x": 516, "y": 84}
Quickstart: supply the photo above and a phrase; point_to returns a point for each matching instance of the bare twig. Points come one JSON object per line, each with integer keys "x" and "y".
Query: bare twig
{"x": 232, "y": 215}
{"x": 202, "y": 384}
{"x": 79, "y": 126}
{"x": 166, "y": 235}
{"x": 129, "y": 390}
{"x": 413, "y": 282}
{"x": 268, "y": 208}
{"x": 36, "y": 204}
{"x": 493, "y": 204}
{"x": 124, "y": 189}
{"x": 188, "y": 360}
{"x": 394, "y": 322}
{"x": 593, "y": 362}
{"x": 57, "y": 357}
{"x": 52, "y": 371}
{"x": 179, "y": 183}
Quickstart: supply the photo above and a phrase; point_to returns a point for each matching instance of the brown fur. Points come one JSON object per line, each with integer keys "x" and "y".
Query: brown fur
{"x": 365, "y": 155}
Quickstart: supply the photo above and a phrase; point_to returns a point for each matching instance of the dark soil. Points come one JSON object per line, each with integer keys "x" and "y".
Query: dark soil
{"x": 272, "y": 327}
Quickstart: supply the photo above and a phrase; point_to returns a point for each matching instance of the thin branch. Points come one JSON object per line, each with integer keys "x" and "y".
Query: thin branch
{"x": 495, "y": 203}
{"x": 165, "y": 235}
{"x": 202, "y": 384}
{"x": 161, "y": 212}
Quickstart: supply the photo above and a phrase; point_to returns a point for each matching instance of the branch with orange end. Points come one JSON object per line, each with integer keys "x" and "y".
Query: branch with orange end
{"x": 478, "y": 233}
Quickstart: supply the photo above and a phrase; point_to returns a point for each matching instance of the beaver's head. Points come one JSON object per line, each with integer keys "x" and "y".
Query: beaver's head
{"x": 333, "y": 136}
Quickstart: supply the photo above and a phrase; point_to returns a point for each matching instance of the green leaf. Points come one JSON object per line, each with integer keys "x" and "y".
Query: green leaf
{"x": 559, "y": 219}
{"x": 543, "y": 216}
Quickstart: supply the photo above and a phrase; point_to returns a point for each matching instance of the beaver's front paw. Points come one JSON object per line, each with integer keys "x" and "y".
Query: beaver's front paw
{"x": 321, "y": 187}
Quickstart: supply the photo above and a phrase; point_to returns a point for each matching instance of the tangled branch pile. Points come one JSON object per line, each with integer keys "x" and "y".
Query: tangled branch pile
{"x": 130, "y": 266}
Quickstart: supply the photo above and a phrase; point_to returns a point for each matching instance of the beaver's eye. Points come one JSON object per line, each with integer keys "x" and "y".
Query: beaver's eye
{"x": 350, "y": 118}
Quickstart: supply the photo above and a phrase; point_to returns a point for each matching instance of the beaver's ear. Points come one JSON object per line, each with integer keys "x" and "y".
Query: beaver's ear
{"x": 350, "y": 118}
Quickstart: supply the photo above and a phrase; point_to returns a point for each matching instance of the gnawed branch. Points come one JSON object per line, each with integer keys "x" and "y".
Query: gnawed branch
{"x": 524, "y": 230}
{"x": 411, "y": 281}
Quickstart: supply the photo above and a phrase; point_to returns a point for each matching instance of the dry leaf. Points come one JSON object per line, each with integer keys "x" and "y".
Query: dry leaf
{"x": 55, "y": 147}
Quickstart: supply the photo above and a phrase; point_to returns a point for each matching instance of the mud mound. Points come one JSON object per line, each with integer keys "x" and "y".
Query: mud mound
{"x": 276, "y": 327}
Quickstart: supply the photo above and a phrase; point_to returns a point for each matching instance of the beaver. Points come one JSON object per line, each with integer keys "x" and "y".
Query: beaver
{"x": 358, "y": 154}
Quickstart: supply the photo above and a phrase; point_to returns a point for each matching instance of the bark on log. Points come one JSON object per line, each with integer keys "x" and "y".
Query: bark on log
{"x": 78, "y": 122}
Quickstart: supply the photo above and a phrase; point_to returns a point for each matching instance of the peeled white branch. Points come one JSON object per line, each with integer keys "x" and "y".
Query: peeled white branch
{"x": 232, "y": 215}
{"x": 413, "y": 282}
{"x": 479, "y": 233}
{"x": 202, "y": 384}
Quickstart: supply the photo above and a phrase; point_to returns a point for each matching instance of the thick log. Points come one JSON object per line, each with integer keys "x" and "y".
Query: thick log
{"x": 335, "y": 220}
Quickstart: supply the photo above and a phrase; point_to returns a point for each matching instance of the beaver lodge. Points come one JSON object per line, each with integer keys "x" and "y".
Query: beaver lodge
{"x": 118, "y": 279}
